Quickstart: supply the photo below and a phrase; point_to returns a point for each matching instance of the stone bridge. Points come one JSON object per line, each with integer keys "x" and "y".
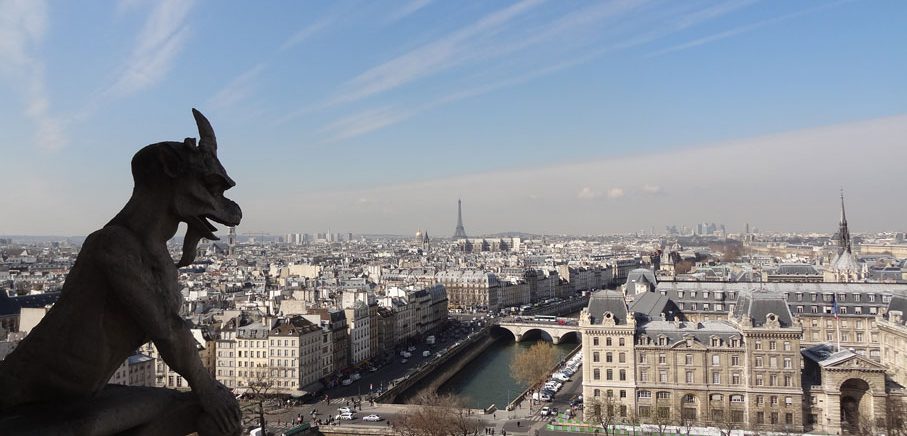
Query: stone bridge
{"x": 557, "y": 330}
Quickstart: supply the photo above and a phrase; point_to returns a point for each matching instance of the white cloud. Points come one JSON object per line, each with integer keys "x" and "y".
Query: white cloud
{"x": 743, "y": 29}
{"x": 22, "y": 28}
{"x": 239, "y": 89}
{"x": 615, "y": 193}
{"x": 651, "y": 189}
{"x": 407, "y": 10}
{"x": 430, "y": 58}
{"x": 156, "y": 48}
{"x": 307, "y": 32}
{"x": 363, "y": 122}
{"x": 588, "y": 193}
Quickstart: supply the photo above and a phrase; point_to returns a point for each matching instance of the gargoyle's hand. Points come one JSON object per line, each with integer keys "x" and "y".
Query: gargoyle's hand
{"x": 220, "y": 404}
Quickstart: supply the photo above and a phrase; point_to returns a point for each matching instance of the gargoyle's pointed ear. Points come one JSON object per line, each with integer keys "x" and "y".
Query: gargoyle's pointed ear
{"x": 208, "y": 142}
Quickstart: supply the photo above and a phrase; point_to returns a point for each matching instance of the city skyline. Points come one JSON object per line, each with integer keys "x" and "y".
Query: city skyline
{"x": 779, "y": 107}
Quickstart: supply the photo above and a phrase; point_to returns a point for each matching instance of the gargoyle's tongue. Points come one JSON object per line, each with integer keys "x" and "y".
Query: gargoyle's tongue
{"x": 198, "y": 229}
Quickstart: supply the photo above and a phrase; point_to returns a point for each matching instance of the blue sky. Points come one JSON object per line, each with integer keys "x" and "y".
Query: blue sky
{"x": 328, "y": 100}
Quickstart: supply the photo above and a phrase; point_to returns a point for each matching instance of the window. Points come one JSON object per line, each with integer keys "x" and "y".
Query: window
{"x": 788, "y": 363}
{"x": 787, "y": 380}
{"x": 759, "y": 380}
{"x": 642, "y": 357}
{"x": 736, "y": 398}
{"x": 622, "y": 357}
{"x": 772, "y": 362}
{"x": 759, "y": 400}
{"x": 689, "y": 378}
{"x": 623, "y": 393}
{"x": 773, "y": 400}
{"x": 608, "y": 341}
{"x": 788, "y": 418}
{"x": 644, "y": 395}
{"x": 757, "y": 345}
{"x": 758, "y": 361}
{"x": 788, "y": 401}
{"x": 620, "y": 342}
{"x": 716, "y": 378}
{"x": 662, "y": 376}
{"x": 662, "y": 359}
{"x": 596, "y": 374}
{"x": 735, "y": 360}
{"x": 772, "y": 345}
{"x": 773, "y": 380}
{"x": 786, "y": 345}
{"x": 595, "y": 356}
{"x": 596, "y": 393}
{"x": 609, "y": 374}
{"x": 643, "y": 376}
{"x": 623, "y": 374}
{"x": 608, "y": 357}
{"x": 735, "y": 379}
{"x": 644, "y": 411}
{"x": 688, "y": 359}
{"x": 595, "y": 340}
{"x": 716, "y": 360}
{"x": 662, "y": 395}
{"x": 716, "y": 397}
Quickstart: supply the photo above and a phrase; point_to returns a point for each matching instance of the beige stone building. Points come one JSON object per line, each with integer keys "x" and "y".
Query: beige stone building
{"x": 743, "y": 370}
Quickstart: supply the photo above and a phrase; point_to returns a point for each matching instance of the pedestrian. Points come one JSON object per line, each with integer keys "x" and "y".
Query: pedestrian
{"x": 494, "y": 416}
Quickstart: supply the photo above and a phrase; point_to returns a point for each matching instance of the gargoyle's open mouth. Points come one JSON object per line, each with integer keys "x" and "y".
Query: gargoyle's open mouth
{"x": 205, "y": 228}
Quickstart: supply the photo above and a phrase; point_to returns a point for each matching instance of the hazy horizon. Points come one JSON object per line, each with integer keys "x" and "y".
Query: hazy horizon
{"x": 544, "y": 117}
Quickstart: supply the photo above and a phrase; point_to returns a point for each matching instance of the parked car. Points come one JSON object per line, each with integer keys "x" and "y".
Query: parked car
{"x": 426, "y": 353}
{"x": 372, "y": 417}
{"x": 345, "y": 416}
{"x": 346, "y": 382}
{"x": 545, "y": 411}
{"x": 343, "y": 410}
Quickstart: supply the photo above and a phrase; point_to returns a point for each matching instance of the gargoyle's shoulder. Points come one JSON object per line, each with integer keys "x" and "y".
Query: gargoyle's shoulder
{"x": 112, "y": 240}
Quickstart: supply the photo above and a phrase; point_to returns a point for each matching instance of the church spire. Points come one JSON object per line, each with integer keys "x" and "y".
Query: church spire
{"x": 843, "y": 232}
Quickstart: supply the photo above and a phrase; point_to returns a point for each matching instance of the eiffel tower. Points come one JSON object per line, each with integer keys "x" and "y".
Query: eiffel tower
{"x": 460, "y": 232}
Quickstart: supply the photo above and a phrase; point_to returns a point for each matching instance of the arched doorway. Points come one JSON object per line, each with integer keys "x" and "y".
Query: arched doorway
{"x": 689, "y": 406}
{"x": 856, "y": 406}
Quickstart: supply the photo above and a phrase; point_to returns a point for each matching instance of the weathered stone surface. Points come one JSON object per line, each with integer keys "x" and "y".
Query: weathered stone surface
{"x": 122, "y": 292}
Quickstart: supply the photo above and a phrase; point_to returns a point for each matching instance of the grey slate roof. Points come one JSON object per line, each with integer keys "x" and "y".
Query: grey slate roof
{"x": 607, "y": 301}
{"x": 701, "y": 331}
{"x": 641, "y": 275}
{"x": 650, "y": 306}
{"x": 757, "y": 304}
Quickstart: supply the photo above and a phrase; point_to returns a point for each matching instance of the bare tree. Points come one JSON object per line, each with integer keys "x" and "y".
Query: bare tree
{"x": 634, "y": 420}
{"x": 895, "y": 416}
{"x": 437, "y": 415}
{"x": 725, "y": 422}
{"x": 532, "y": 366}
{"x": 662, "y": 418}
{"x": 260, "y": 382}
{"x": 604, "y": 411}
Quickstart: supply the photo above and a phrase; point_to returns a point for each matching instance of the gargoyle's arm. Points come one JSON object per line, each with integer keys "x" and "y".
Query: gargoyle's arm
{"x": 133, "y": 283}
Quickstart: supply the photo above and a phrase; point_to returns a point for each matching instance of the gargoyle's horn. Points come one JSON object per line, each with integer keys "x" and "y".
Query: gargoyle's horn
{"x": 208, "y": 142}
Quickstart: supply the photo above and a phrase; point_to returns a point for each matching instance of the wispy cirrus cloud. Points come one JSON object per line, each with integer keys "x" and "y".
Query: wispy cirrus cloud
{"x": 406, "y": 10}
{"x": 570, "y": 39}
{"x": 23, "y": 25}
{"x": 157, "y": 46}
{"x": 307, "y": 32}
{"x": 239, "y": 89}
{"x": 743, "y": 29}
{"x": 441, "y": 54}
{"x": 363, "y": 122}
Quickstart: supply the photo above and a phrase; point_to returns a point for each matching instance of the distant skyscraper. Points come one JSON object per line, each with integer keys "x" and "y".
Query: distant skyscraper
{"x": 460, "y": 232}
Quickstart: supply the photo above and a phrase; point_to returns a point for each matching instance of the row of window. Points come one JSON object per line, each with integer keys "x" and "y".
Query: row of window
{"x": 609, "y": 374}
{"x": 608, "y": 342}
{"x": 688, "y": 359}
{"x": 829, "y": 297}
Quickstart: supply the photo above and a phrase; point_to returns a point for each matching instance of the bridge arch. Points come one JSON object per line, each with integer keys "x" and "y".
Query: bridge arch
{"x": 546, "y": 331}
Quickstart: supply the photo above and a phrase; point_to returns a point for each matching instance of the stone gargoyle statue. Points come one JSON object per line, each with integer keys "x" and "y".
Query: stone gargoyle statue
{"x": 121, "y": 293}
